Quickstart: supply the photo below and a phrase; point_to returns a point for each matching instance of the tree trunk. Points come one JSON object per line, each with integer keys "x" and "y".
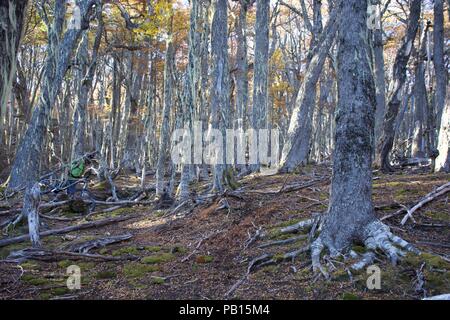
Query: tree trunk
{"x": 421, "y": 98}
{"x": 350, "y": 215}
{"x": 297, "y": 145}
{"x": 351, "y": 207}
{"x": 88, "y": 69}
{"x": 164, "y": 132}
{"x": 241, "y": 71}
{"x": 260, "y": 72}
{"x": 26, "y": 166}
{"x": 12, "y": 13}
{"x": 386, "y": 140}
{"x": 443, "y": 159}
{"x": 220, "y": 104}
{"x": 380, "y": 82}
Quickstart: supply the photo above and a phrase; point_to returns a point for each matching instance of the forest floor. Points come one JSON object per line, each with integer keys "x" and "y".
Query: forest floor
{"x": 202, "y": 253}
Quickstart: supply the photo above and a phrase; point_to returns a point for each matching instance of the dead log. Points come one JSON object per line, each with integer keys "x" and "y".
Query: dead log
{"x": 88, "y": 225}
{"x": 86, "y": 246}
{"x": 50, "y": 255}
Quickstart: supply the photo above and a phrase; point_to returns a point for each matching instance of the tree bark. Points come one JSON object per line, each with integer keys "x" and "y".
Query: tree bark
{"x": 12, "y": 15}
{"x": 351, "y": 207}
{"x": 443, "y": 159}
{"x": 421, "y": 98}
{"x": 164, "y": 132}
{"x": 88, "y": 69}
{"x": 386, "y": 140}
{"x": 220, "y": 89}
{"x": 297, "y": 146}
{"x": 260, "y": 72}
{"x": 25, "y": 168}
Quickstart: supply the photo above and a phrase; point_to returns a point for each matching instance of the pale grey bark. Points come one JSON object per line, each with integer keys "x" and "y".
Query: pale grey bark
{"x": 12, "y": 16}
{"x": 297, "y": 146}
{"x": 386, "y": 139}
{"x": 164, "y": 134}
{"x": 241, "y": 74}
{"x": 220, "y": 103}
{"x": 443, "y": 159}
{"x": 60, "y": 49}
{"x": 421, "y": 104}
{"x": 380, "y": 81}
{"x": 261, "y": 70}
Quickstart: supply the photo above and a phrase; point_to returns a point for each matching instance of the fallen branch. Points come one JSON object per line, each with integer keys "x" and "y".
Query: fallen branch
{"x": 428, "y": 198}
{"x": 88, "y": 225}
{"x": 86, "y": 246}
{"x": 50, "y": 255}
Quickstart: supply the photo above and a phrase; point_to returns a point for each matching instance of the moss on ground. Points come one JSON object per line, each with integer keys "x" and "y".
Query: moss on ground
{"x": 152, "y": 248}
{"x": 350, "y": 296}
{"x": 158, "y": 258}
{"x": 35, "y": 281}
{"x": 138, "y": 270}
{"x": 125, "y": 250}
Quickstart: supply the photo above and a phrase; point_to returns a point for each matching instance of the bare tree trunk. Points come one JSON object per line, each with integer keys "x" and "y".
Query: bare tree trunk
{"x": 12, "y": 14}
{"x": 241, "y": 71}
{"x": 220, "y": 103}
{"x": 351, "y": 206}
{"x": 88, "y": 69}
{"x": 443, "y": 159}
{"x": 26, "y": 164}
{"x": 260, "y": 72}
{"x": 386, "y": 140}
{"x": 421, "y": 104}
{"x": 380, "y": 81}
{"x": 297, "y": 146}
{"x": 164, "y": 132}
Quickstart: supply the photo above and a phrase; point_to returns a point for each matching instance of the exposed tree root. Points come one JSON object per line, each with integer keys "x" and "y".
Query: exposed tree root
{"x": 377, "y": 236}
{"x": 282, "y": 242}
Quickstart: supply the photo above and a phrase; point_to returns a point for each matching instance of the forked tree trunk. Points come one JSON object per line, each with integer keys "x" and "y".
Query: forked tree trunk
{"x": 386, "y": 140}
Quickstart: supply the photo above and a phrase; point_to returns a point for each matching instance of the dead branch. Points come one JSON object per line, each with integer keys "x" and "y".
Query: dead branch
{"x": 428, "y": 198}
{"x": 86, "y": 246}
{"x": 50, "y": 255}
{"x": 88, "y": 225}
